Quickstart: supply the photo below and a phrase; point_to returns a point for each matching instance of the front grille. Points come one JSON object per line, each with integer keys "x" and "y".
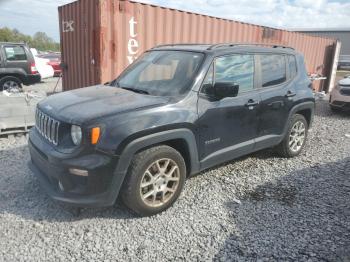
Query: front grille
{"x": 345, "y": 91}
{"x": 47, "y": 126}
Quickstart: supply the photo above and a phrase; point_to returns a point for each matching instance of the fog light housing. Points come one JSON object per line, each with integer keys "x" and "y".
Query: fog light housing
{"x": 78, "y": 172}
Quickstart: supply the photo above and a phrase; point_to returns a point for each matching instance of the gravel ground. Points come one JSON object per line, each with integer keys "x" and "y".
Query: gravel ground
{"x": 257, "y": 208}
{"x": 46, "y": 85}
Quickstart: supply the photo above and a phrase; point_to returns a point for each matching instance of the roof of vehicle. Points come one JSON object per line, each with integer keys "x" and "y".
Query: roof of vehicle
{"x": 12, "y": 43}
{"x": 219, "y": 49}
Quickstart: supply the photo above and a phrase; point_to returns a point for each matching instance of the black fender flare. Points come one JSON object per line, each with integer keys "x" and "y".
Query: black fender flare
{"x": 19, "y": 73}
{"x": 147, "y": 141}
{"x": 157, "y": 138}
{"x": 302, "y": 106}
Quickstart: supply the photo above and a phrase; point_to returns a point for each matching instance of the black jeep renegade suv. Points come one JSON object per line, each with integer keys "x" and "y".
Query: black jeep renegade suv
{"x": 177, "y": 110}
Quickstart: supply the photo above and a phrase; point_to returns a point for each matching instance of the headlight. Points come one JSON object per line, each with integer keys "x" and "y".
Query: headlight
{"x": 76, "y": 134}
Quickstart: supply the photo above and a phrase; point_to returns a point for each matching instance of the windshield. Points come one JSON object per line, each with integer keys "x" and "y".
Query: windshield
{"x": 161, "y": 73}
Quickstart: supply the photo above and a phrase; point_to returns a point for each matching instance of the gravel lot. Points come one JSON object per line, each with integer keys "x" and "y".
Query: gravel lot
{"x": 256, "y": 208}
{"x": 46, "y": 85}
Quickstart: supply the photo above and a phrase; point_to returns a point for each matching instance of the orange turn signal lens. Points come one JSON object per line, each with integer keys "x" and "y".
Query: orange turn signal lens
{"x": 95, "y": 135}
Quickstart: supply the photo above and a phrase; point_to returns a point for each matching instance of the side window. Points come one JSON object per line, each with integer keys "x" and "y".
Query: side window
{"x": 15, "y": 53}
{"x": 292, "y": 66}
{"x": 237, "y": 69}
{"x": 273, "y": 70}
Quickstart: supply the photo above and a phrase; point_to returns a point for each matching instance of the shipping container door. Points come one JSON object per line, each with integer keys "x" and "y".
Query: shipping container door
{"x": 79, "y": 43}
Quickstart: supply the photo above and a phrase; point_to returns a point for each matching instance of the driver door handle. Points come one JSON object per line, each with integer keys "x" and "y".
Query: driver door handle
{"x": 290, "y": 94}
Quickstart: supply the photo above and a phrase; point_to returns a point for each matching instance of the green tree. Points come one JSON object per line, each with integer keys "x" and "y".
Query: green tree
{"x": 41, "y": 41}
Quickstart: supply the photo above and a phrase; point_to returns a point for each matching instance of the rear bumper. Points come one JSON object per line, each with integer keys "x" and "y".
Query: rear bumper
{"x": 344, "y": 64}
{"x": 100, "y": 188}
{"x": 57, "y": 72}
{"x": 32, "y": 79}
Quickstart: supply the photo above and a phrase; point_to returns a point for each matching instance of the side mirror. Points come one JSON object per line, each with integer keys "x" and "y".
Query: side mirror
{"x": 226, "y": 89}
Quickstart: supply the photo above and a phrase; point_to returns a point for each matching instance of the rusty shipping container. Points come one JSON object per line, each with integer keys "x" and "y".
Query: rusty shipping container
{"x": 99, "y": 38}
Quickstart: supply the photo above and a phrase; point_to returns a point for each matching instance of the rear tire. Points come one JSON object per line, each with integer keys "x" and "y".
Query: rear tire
{"x": 154, "y": 181}
{"x": 10, "y": 82}
{"x": 295, "y": 139}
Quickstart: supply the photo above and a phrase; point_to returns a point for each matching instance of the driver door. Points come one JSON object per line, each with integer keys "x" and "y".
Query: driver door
{"x": 228, "y": 127}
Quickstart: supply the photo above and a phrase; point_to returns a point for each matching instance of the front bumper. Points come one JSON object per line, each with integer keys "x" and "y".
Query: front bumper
{"x": 339, "y": 100}
{"x": 341, "y": 105}
{"x": 100, "y": 188}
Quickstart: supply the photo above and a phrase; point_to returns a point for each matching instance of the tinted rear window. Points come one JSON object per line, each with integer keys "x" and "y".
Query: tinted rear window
{"x": 292, "y": 66}
{"x": 273, "y": 70}
{"x": 15, "y": 53}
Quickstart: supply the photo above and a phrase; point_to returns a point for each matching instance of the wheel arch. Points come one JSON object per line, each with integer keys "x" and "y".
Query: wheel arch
{"x": 182, "y": 140}
{"x": 187, "y": 145}
{"x": 16, "y": 75}
{"x": 306, "y": 109}
{"x": 307, "y": 113}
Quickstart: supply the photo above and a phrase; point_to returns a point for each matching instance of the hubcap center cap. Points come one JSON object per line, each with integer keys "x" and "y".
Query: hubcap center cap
{"x": 160, "y": 181}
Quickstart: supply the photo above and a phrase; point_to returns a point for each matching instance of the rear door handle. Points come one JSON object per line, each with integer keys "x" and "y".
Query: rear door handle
{"x": 276, "y": 104}
{"x": 290, "y": 94}
{"x": 251, "y": 103}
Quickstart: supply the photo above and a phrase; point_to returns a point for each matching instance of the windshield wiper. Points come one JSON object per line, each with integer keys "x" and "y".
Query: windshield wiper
{"x": 140, "y": 91}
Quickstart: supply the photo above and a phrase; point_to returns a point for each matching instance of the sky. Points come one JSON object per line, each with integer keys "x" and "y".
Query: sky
{"x": 30, "y": 16}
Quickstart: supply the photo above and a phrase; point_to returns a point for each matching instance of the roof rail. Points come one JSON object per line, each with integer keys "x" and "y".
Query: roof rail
{"x": 247, "y": 44}
{"x": 180, "y": 44}
{"x": 13, "y": 43}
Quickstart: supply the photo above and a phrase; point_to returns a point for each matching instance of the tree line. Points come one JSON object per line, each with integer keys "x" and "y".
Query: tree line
{"x": 40, "y": 40}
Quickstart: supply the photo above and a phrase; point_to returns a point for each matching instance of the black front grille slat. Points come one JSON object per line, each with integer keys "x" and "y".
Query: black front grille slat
{"x": 56, "y": 133}
{"x": 345, "y": 91}
{"x": 47, "y": 127}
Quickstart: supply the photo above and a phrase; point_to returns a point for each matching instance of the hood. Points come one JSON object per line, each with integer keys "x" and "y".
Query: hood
{"x": 84, "y": 104}
{"x": 345, "y": 82}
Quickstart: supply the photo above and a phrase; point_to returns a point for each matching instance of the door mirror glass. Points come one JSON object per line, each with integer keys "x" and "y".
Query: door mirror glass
{"x": 226, "y": 89}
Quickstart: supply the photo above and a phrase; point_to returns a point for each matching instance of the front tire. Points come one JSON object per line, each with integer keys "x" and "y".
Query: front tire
{"x": 295, "y": 139}
{"x": 154, "y": 181}
{"x": 10, "y": 83}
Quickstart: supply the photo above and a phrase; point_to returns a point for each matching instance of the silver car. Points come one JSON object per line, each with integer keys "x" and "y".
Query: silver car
{"x": 340, "y": 95}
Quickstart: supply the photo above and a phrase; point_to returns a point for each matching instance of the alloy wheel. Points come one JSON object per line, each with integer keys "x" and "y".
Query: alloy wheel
{"x": 159, "y": 182}
{"x": 11, "y": 86}
{"x": 297, "y": 136}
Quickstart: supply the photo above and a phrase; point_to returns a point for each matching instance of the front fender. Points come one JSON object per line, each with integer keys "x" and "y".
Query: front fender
{"x": 146, "y": 141}
{"x": 157, "y": 138}
{"x": 19, "y": 72}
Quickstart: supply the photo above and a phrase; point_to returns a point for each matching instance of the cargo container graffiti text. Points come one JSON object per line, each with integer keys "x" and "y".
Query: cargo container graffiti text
{"x": 133, "y": 45}
{"x": 67, "y": 26}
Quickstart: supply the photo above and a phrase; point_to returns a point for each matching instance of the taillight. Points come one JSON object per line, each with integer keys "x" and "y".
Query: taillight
{"x": 33, "y": 69}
